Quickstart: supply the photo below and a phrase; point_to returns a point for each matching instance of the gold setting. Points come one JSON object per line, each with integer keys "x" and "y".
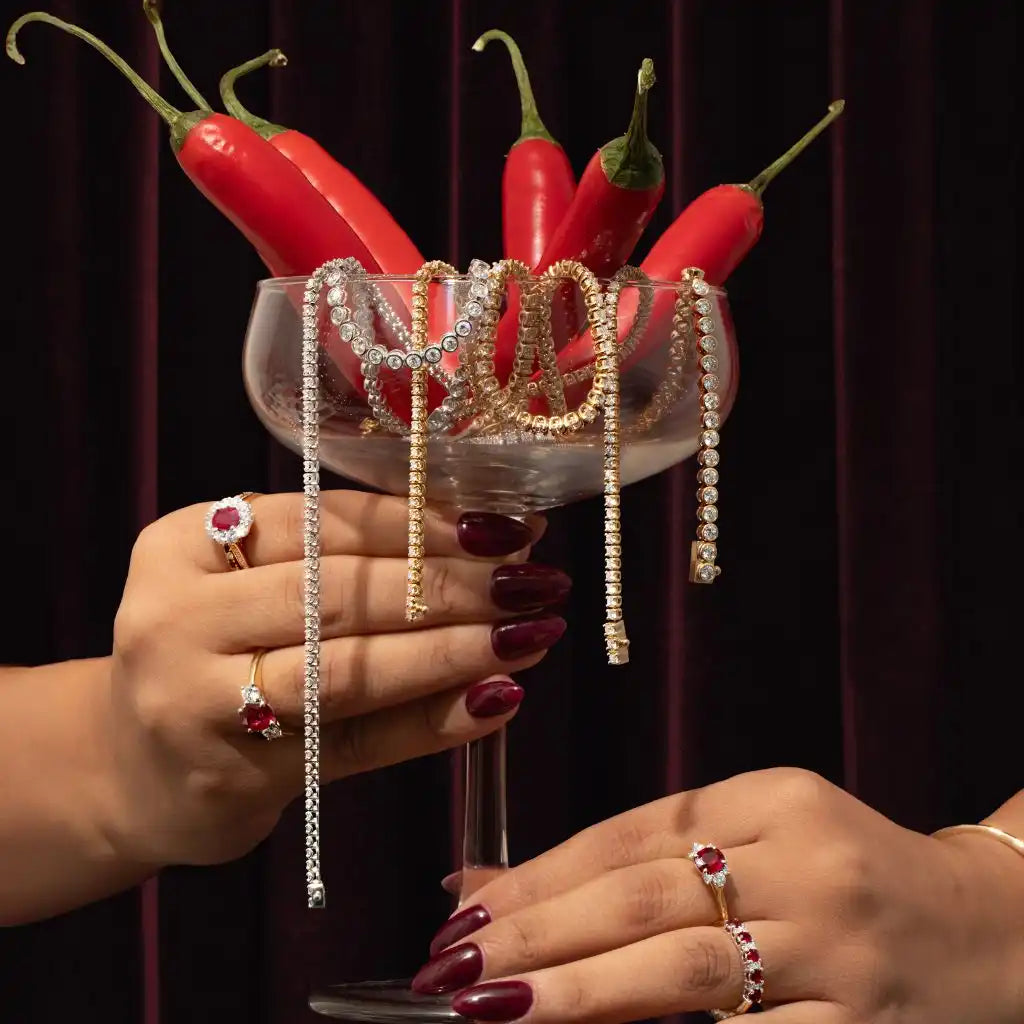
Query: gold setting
{"x": 487, "y": 407}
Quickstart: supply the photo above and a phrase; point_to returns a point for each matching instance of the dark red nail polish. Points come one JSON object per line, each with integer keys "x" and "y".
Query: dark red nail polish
{"x": 513, "y": 640}
{"x": 488, "y": 535}
{"x": 453, "y": 969}
{"x": 458, "y": 926}
{"x": 495, "y": 1001}
{"x": 528, "y": 587}
{"x": 497, "y": 697}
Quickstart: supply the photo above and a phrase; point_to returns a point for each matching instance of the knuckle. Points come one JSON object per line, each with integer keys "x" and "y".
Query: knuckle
{"x": 651, "y": 899}
{"x": 624, "y": 841}
{"x": 292, "y": 518}
{"x": 706, "y": 967}
{"x": 442, "y": 587}
{"x": 519, "y": 943}
{"x": 798, "y": 790}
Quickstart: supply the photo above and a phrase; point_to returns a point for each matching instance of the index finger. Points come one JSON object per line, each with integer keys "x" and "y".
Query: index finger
{"x": 725, "y": 814}
{"x": 351, "y": 523}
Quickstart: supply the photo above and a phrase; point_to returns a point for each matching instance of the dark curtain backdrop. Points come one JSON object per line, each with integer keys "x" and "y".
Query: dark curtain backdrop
{"x": 867, "y": 624}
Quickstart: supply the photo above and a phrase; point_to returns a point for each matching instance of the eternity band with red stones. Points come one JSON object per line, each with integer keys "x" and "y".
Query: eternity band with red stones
{"x": 714, "y": 870}
{"x": 753, "y": 970}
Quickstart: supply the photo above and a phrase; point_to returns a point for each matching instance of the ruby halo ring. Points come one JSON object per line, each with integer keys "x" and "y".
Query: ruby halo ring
{"x": 714, "y": 870}
{"x": 256, "y": 714}
{"x": 753, "y": 971}
{"x": 229, "y": 521}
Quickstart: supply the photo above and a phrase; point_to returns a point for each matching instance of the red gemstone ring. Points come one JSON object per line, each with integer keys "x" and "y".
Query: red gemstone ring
{"x": 753, "y": 970}
{"x": 228, "y": 521}
{"x": 711, "y": 863}
{"x": 256, "y": 714}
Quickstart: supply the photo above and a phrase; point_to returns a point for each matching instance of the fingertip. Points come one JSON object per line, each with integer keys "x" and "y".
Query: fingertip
{"x": 494, "y": 697}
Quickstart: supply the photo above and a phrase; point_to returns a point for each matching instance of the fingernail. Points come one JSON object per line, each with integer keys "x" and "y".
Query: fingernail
{"x": 452, "y": 883}
{"x": 458, "y": 926}
{"x": 496, "y": 1000}
{"x": 496, "y": 697}
{"x": 455, "y": 968}
{"x": 528, "y": 587}
{"x": 486, "y": 534}
{"x": 513, "y": 640}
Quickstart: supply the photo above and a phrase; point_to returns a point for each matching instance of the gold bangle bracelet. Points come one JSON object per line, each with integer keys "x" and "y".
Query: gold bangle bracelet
{"x": 986, "y": 830}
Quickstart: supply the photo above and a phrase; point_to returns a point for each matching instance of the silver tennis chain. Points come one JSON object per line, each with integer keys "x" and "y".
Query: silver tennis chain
{"x": 332, "y": 273}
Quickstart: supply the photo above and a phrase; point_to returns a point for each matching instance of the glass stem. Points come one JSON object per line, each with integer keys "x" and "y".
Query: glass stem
{"x": 485, "y": 839}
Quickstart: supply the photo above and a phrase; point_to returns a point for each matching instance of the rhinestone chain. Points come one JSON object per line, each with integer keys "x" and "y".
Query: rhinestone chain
{"x": 704, "y": 550}
{"x": 315, "y": 892}
{"x": 415, "y": 607}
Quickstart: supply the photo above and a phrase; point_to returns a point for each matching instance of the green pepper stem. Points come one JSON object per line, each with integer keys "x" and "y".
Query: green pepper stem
{"x": 532, "y": 127}
{"x": 152, "y": 12}
{"x": 272, "y": 59}
{"x": 763, "y": 180}
{"x": 170, "y": 114}
{"x": 636, "y": 134}
{"x": 631, "y": 161}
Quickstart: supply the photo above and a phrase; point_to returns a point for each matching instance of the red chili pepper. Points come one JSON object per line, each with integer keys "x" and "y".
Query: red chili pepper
{"x": 616, "y": 198}
{"x": 392, "y": 249}
{"x": 265, "y": 196}
{"x": 715, "y": 232}
{"x": 538, "y": 183}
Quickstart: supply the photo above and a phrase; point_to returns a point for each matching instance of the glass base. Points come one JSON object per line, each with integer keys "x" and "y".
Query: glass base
{"x": 382, "y": 1002}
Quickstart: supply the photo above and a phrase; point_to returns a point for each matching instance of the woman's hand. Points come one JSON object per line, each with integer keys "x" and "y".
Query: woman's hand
{"x": 190, "y": 785}
{"x": 856, "y": 920}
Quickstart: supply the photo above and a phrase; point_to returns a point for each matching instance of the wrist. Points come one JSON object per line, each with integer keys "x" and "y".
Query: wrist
{"x": 991, "y": 907}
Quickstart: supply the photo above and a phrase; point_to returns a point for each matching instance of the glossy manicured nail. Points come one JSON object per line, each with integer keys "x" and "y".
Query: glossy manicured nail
{"x": 514, "y": 640}
{"x": 458, "y": 926}
{"x": 488, "y": 535}
{"x": 452, "y": 883}
{"x": 494, "y": 697}
{"x": 528, "y": 587}
{"x": 495, "y": 1001}
{"x": 453, "y": 969}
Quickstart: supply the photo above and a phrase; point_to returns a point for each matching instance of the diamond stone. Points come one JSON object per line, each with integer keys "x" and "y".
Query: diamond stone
{"x": 375, "y": 356}
{"x": 709, "y": 363}
{"x": 339, "y": 314}
{"x": 432, "y": 355}
{"x": 709, "y": 343}
{"x": 463, "y": 328}
{"x": 479, "y": 269}
{"x": 702, "y": 306}
{"x": 449, "y": 343}
{"x": 394, "y": 360}
{"x": 708, "y": 458}
{"x": 473, "y": 309}
{"x": 710, "y": 401}
{"x": 707, "y": 552}
{"x": 700, "y": 286}
{"x": 709, "y": 438}
{"x": 708, "y": 495}
{"x": 347, "y": 331}
{"x": 705, "y": 325}
{"x": 708, "y": 531}
{"x": 708, "y": 513}
{"x": 712, "y": 420}
{"x": 705, "y": 572}
{"x": 335, "y": 297}
{"x": 708, "y": 477}
{"x": 709, "y": 382}
{"x": 414, "y": 360}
